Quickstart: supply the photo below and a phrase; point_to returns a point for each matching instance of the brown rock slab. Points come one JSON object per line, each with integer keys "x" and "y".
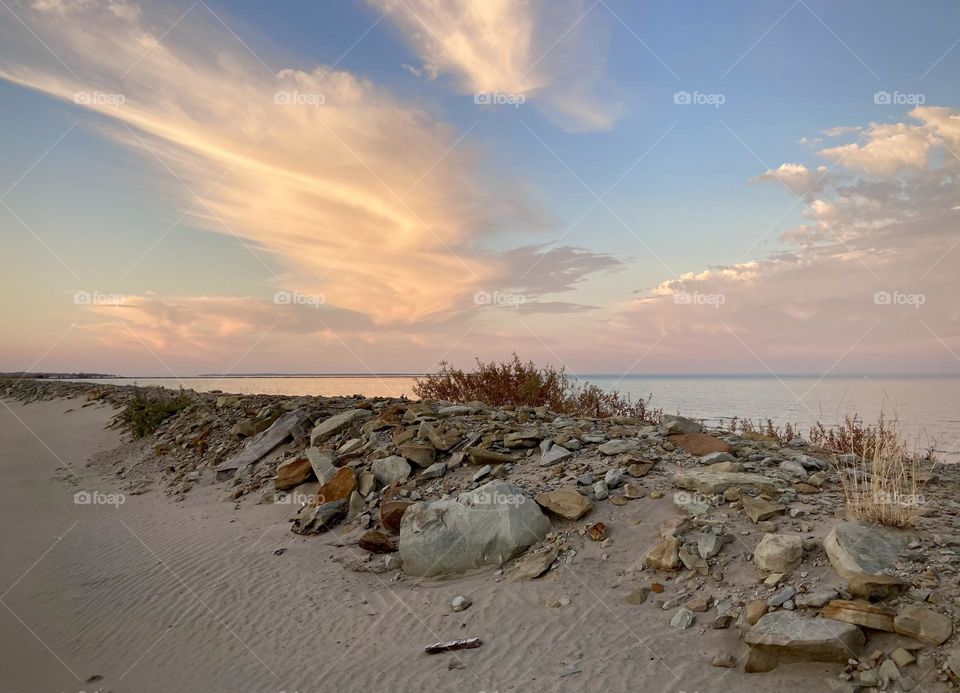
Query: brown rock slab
{"x": 341, "y": 485}
{"x": 292, "y": 473}
{"x": 860, "y": 613}
{"x": 391, "y": 514}
{"x": 376, "y": 542}
{"x": 567, "y": 503}
{"x": 420, "y": 454}
{"x": 700, "y": 444}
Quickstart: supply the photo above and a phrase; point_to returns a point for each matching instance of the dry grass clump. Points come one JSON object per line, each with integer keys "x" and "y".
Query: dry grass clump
{"x": 855, "y": 437}
{"x": 519, "y": 384}
{"x": 883, "y": 485}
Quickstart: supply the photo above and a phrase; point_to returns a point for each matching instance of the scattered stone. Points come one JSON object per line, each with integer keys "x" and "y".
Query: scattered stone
{"x": 784, "y": 636}
{"x": 677, "y": 424}
{"x": 391, "y": 470}
{"x": 754, "y": 611}
{"x": 713, "y": 483}
{"x": 784, "y": 595}
{"x": 286, "y": 426}
{"x": 597, "y": 532}
{"x": 391, "y": 514}
{"x": 555, "y": 455}
{"x": 534, "y": 564}
{"x": 337, "y": 424}
{"x": 292, "y": 473}
{"x": 419, "y": 454}
{"x": 665, "y": 555}
{"x": 683, "y": 618}
{"x": 481, "y": 473}
{"x": 319, "y": 518}
{"x": 758, "y": 509}
{"x": 434, "y": 471}
{"x": 375, "y": 541}
{"x": 600, "y": 490}
{"x": 321, "y": 461}
{"x": 815, "y": 599}
{"x": 925, "y": 625}
{"x": 638, "y": 596}
{"x": 461, "y": 603}
{"x": 700, "y": 444}
{"x": 709, "y": 545}
{"x": 617, "y": 447}
{"x": 902, "y": 657}
{"x": 631, "y": 491}
{"x": 726, "y": 661}
{"x": 567, "y": 503}
{"x": 340, "y": 486}
{"x": 778, "y": 553}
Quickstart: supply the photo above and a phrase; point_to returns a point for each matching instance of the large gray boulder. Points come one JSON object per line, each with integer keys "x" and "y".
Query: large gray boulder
{"x": 487, "y": 526}
{"x": 866, "y": 557}
{"x": 784, "y": 636}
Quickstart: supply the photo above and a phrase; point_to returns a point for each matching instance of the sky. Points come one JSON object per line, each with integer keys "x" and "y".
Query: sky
{"x": 381, "y": 185}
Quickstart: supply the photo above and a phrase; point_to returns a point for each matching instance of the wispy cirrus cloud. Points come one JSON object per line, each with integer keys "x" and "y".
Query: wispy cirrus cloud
{"x": 355, "y": 194}
{"x": 545, "y": 50}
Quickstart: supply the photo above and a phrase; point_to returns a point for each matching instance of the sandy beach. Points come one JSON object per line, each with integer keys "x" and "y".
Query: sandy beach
{"x": 196, "y": 592}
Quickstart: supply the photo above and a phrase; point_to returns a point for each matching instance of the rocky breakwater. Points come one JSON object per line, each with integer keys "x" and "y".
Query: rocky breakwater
{"x": 750, "y": 535}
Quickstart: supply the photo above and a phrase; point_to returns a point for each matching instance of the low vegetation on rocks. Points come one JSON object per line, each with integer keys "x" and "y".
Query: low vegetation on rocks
{"x": 518, "y": 384}
{"x": 147, "y": 409}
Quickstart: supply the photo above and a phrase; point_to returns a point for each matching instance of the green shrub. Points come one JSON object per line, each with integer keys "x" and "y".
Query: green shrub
{"x": 146, "y": 410}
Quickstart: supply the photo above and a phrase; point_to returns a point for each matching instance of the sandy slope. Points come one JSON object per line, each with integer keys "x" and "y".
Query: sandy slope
{"x": 161, "y": 596}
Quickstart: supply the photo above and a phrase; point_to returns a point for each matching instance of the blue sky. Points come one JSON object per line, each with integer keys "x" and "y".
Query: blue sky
{"x": 683, "y": 201}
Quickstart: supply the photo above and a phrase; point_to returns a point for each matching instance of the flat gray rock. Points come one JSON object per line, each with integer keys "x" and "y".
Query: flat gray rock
{"x": 260, "y": 446}
{"x": 391, "y": 470}
{"x": 783, "y": 636}
{"x": 866, "y": 557}
{"x": 711, "y": 482}
{"x": 328, "y": 428}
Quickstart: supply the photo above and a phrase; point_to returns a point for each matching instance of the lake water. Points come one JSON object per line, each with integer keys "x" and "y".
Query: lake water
{"x": 927, "y": 407}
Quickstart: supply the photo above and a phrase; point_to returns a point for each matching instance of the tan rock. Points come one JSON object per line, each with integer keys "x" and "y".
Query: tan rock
{"x": 860, "y": 613}
{"x": 665, "y": 555}
{"x": 784, "y": 636}
{"x": 291, "y": 473}
{"x": 758, "y": 509}
{"x": 778, "y": 553}
{"x": 925, "y": 625}
{"x": 754, "y": 611}
{"x": 567, "y": 503}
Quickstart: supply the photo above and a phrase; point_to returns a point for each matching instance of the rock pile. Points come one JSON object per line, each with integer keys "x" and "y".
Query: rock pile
{"x": 754, "y": 540}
